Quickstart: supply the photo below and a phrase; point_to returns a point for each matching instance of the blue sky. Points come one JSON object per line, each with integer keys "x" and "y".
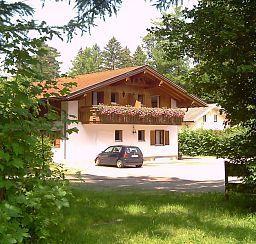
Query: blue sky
{"x": 129, "y": 26}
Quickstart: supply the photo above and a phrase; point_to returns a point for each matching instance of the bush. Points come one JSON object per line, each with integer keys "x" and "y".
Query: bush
{"x": 199, "y": 142}
{"x": 32, "y": 193}
{"x": 237, "y": 144}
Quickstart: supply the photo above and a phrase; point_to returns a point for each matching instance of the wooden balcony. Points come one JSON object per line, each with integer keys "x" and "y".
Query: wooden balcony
{"x": 112, "y": 115}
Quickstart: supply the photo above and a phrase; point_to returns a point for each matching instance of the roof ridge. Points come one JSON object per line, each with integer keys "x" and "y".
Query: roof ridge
{"x": 109, "y": 71}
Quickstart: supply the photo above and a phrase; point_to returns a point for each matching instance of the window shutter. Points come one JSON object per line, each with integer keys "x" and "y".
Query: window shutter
{"x": 57, "y": 143}
{"x": 152, "y": 137}
{"x": 166, "y": 138}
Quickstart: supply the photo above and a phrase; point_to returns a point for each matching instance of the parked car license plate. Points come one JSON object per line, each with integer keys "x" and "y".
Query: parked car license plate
{"x": 135, "y": 156}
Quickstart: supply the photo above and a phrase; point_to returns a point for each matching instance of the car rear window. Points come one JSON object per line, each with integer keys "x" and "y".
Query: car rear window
{"x": 133, "y": 150}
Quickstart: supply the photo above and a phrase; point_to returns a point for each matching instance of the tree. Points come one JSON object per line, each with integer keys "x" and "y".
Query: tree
{"x": 48, "y": 64}
{"x": 220, "y": 36}
{"x": 32, "y": 193}
{"x": 125, "y": 58}
{"x": 87, "y": 61}
{"x": 111, "y": 54}
{"x": 139, "y": 57}
{"x": 162, "y": 57}
{"x": 172, "y": 67}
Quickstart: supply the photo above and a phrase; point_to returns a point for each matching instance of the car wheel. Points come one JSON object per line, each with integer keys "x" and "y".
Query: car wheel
{"x": 119, "y": 164}
{"x": 138, "y": 166}
{"x": 97, "y": 161}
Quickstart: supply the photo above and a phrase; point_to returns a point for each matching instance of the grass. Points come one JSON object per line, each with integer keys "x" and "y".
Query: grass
{"x": 156, "y": 217}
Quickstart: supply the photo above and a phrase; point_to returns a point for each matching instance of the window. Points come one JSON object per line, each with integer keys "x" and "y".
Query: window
{"x": 114, "y": 97}
{"x": 159, "y": 137}
{"x": 118, "y": 135}
{"x": 155, "y": 101}
{"x": 141, "y": 98}
{"x": 97, "y": 98}
{"x": 204, "y": 118}
{"x": 215, "y": 118}
{"x": 109, "y": 149}
{"x": 141, "y": 135}
{"x": 117, "y": 149}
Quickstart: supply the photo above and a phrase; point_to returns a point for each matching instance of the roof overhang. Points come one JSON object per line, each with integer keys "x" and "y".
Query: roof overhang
{"x": 166, "y": 84}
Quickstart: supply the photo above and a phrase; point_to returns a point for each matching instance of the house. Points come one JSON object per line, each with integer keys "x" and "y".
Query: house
{"x": 130, "y": 106}
{"x": 211, "y": 117}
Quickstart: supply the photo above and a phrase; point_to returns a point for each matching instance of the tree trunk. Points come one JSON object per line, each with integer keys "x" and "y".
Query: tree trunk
{"x": 2, "y": 194}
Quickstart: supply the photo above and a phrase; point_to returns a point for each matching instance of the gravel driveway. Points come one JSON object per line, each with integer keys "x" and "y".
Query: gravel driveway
{"x": 187, "y": 175}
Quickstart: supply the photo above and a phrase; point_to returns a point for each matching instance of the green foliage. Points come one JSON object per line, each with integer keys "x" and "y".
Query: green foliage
{"x": 126, "y": 58}
{"x": 139, "y": 57}
{"x": 199, "y": 142}
{"x": 220, "y": 36}
{"x": 163, "y": 54}
{"x": 48, "y": 65}
{"x": 112, "y": 54}
{"x": 87, "y": 61}
{"x": 230, "y": 143}
{"x": 32, "y": 192}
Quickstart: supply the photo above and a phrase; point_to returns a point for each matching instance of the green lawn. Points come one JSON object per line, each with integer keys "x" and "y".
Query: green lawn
{"x": 156, "y": 217}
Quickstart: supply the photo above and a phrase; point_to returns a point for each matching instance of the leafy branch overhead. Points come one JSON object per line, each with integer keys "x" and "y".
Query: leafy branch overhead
{"x": 220, "y": 37}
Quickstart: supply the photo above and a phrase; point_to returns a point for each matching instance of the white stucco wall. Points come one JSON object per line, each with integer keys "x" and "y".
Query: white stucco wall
{"x": 210, "y": 124}
{"x": 94, "y": 138}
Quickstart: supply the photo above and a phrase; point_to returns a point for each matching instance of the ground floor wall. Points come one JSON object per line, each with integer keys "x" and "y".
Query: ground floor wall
{"x": 91, "y": 139}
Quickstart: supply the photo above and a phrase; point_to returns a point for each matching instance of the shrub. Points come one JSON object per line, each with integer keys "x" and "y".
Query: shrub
{"x": 237, "y": 144}
{"x": 199, "y": 142}
{"x": 32, "y": 194}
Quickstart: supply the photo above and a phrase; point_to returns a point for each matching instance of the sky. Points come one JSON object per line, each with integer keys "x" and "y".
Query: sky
{"x": 129, "y": 26}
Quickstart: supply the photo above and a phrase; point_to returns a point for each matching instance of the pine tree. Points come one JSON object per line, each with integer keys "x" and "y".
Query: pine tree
{"x": 87, "y": 61}
{"x": 112, "y": 55}
{"x": 48, "y": 66}
{"x": 126, "y": 58}
{"x": 139, "y": 57}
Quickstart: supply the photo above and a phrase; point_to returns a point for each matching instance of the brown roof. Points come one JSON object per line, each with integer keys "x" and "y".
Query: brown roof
{"x": 90, "y": 82}
{"x": 87, "y": 80}
{"x": 192, "y": 114}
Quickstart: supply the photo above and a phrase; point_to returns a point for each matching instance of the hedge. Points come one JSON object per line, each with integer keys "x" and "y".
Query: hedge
{"x": 198, "y": 142}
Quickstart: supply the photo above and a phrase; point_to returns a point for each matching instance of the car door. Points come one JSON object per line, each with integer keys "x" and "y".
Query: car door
{"x": 104, "y": 156}
{"x": 114, "y": 155}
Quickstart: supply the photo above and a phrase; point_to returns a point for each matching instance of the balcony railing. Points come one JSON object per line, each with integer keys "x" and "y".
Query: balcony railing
{"x": 102, "y": 114}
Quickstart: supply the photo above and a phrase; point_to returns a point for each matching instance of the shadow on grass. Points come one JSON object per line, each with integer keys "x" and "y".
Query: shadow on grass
{"x": 156, "y": 217}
